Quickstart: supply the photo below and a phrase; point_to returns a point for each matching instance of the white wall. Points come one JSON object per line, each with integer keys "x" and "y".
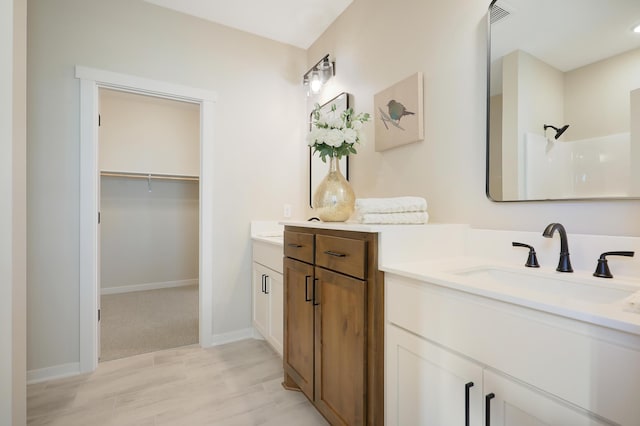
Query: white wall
{"x": 510, "y": 125}
{"x": 540, "y": 101}
{"x": 146, "y": 134}
{"x": 597, "y": 96}
{"x": 259, "y": 153}
{"x": 377, "y": 43}
{"x": 495, "y": 155}
{"x": 148, "y": 238}
{"x": 13, "y": 212}
{"x": 634, "y": 99}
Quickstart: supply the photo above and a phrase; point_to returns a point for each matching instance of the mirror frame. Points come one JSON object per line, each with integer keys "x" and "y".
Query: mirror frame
{"x": 488, "y": 133}
{"x": 488, "y": 106}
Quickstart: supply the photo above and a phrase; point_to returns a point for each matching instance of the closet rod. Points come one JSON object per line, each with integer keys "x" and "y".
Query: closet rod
{"x": 149, "y": 176}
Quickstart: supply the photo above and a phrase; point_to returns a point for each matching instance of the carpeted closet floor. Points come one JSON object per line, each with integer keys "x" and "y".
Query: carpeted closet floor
{"x": 147, "y": 321}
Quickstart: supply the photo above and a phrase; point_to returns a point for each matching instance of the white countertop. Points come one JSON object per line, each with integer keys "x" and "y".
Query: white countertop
{"x": 443, "y": 272}
{"x": 432, "y": 253}
{"x": 267, "y": 231}
{"x": 350, "y": 226}
{"x": 277, "y": 240}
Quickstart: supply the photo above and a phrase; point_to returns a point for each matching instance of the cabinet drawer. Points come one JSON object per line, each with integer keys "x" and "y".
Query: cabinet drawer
{"x": 298, "y": 245}
{"x": 344, "y": 255}
{"x": 269, "y": 255}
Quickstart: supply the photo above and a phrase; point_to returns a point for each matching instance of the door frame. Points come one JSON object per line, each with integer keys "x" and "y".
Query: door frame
{"x": 90, "y": 81}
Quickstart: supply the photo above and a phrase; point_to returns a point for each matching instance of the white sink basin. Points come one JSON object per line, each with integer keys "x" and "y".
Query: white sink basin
{"x": 544, "y": 286}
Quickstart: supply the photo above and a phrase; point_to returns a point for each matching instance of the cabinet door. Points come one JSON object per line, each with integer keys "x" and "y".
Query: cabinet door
{"x": 298, "y": 324}
{"x": 340, "y": 347}
{"x": 428, "y": 385}
{"x": 515, "y": 404}
{"x": 275, "y": 287}
{"x": 260, "y": 300}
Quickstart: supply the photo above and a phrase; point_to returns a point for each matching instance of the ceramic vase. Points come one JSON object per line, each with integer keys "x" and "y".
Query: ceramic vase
{"x": 334, "y": 199}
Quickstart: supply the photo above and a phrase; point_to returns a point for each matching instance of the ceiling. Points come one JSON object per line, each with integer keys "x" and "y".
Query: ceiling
{"x": 295, "y": 22}
{"x": 566, "y": 34}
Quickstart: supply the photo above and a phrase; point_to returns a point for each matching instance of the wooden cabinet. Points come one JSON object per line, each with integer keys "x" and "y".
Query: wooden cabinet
{"x": 527, "y": 368}
{"x": 340, "y": 356}
{"x": 334, "y": 323}
{"x": 268, "y": 293}
{"x": 299, "y": 325}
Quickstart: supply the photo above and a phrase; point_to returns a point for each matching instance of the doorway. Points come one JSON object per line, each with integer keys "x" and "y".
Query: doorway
{"x": 149, "y": 166}
{"x": 91, "y": 80}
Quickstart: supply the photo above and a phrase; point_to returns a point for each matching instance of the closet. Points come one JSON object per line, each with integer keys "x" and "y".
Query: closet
{"x": 149, "y": 157}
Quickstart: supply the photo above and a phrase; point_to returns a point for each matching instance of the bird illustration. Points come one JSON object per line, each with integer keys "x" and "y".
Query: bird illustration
{"x": 397, "y": 110}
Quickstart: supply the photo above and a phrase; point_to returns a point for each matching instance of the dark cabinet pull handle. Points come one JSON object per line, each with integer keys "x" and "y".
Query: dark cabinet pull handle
{"x": 487, "y": 408}
{"x": 315, "y": 303}
{"x": 266, "y": 289}
{"x": 306, "y": 288}
{"x": 294, "y": 245}
{"x": 264, "y": 282}
{"x": 334, "y": 253}
{"x": 467, "y": 386}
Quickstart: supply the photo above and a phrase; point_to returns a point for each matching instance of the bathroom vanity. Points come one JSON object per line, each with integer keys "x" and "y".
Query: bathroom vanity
{"x": 464, "y": 333}
{"x": 475, "y": 338}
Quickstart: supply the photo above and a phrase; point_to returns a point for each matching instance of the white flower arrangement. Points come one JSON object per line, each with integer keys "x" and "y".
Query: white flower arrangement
{"x": 333, "y": 134}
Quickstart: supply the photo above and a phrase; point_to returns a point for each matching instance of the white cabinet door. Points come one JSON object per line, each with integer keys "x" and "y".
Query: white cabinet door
{"x": 428, "y": 385}
{"x": 268, "y": 294}
{"x": 275, "y": 288}
{"x": 260, "y": 300}
{"x": 515, "y": 404}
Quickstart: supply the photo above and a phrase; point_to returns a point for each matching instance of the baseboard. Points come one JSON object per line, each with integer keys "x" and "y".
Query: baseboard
{"x": 147, "y": 286}
{"x": 50, "y": 373}
{"x": 256, "y": 334}
{"x": 233, "y": 336}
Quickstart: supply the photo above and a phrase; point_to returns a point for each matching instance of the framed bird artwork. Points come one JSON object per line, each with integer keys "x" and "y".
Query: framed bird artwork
{"x": 398, "y": 113}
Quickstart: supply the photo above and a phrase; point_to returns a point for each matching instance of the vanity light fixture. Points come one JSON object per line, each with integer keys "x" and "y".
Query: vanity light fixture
{"x": 318, "y": 75}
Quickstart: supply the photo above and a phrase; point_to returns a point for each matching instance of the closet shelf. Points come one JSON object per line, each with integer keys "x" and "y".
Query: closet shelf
{"x": 149, "y": 176}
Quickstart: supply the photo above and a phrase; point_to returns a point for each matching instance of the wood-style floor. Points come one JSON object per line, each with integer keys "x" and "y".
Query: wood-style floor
{"x": 234, "y": 384}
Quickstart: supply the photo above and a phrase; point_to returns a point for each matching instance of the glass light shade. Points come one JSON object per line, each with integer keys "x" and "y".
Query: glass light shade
{"x": 316, "y": 82}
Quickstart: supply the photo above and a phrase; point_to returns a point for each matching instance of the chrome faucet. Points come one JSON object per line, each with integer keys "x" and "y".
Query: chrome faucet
{"x": 564, "y": 265}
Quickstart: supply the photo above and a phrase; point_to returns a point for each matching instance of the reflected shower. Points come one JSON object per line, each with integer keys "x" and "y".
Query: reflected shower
{"x": 559, "y": 131}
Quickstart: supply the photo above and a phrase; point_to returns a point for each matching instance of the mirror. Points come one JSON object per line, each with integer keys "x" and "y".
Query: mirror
{"x": 563, "y": 107}
{"x": 319, "y": 169}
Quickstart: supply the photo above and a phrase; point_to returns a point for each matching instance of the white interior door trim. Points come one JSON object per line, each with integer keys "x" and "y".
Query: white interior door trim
{"x": 90, "y": 80}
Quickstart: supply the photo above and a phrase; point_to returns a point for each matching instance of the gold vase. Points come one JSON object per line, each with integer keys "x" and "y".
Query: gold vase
{"x": 334, "y": 199}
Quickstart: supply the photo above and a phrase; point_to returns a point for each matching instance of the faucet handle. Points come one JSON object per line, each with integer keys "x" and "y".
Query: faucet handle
{"x": 602, "y": 270}
{"x": 532, "y": 260}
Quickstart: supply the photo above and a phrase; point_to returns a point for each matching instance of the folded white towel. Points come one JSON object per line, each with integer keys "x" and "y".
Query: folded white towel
{"x": 632, "y": 303}
{"x": 393, "y": 218}
{"x": 391, "y": 205}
